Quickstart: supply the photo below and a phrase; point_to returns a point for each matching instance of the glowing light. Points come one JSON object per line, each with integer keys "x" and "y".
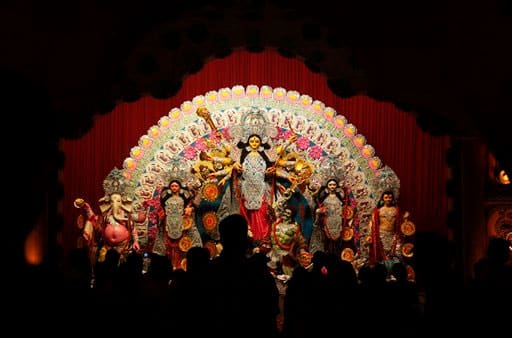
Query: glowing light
{"x": 279, "y": 94}
{"x": 238, "y": 91}
{"x": 186, "y": 106}
{"x": 211, "y": 97}
{"x": 136, "y": 152}
{"x": 305, "y": 101}
{"x": 252, "y": 91}
{"x": 175, "y": 114}
{"x": 329, "y": 113}
{"x": 503, "y": 177}
{"x": 34, "y": 246}
{"x": 145, "y": 141}
{"x": 266, "y": 92}
{"x": 164, "y": 122}
{"x": 154, "y": 131}
{"x": 339, "y": 122}
{"x": 350, "y": 130}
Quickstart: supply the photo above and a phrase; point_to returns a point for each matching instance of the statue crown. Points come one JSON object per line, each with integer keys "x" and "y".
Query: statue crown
{"x": 116, "y": 183}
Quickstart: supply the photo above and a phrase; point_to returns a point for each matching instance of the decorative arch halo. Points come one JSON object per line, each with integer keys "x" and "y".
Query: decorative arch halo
{"x": 323, "y": 133}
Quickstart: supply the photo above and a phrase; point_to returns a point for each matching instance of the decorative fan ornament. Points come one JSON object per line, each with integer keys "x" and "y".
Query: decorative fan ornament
{"x": 388, "y": 181}
{"x": 179, "y": 170}
{"x": 116, "y": 183}
{"x": 331, "y": 169}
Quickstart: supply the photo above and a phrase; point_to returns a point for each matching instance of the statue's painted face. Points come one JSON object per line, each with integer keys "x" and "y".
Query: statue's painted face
{"x": 332, "y": 185}
{"x": 116, "y": 202}
{"x": 287, "y": 215}
{"x": 387, "y": 199}
{"x": 175, "y": 187}
{"x": 254, "y": 142}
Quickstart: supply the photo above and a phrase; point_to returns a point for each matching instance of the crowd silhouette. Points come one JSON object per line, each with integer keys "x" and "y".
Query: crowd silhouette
{"x": 235, "y": 293}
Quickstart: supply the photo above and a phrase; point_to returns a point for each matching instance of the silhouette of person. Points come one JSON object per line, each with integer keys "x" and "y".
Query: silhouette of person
{"x": 243, "y": 289}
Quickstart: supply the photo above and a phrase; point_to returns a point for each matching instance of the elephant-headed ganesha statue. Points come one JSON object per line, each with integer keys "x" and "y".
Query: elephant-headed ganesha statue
{"x": 114, "y": 227}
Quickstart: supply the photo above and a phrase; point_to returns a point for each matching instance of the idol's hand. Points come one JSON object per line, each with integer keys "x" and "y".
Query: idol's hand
{"x": 292, "y": 138}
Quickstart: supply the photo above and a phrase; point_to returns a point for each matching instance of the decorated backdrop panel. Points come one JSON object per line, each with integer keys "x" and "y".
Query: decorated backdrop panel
{"x": 325, "y": 138}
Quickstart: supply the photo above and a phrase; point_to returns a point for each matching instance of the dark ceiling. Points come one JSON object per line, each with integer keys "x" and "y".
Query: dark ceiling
{"x": 447, "y": 63}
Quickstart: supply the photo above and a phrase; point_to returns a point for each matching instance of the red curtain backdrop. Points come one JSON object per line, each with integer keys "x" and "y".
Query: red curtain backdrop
{"x": 417, "y": 157}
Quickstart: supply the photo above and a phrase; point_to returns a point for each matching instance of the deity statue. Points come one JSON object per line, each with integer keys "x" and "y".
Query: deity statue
{"x": 387, "y": 233}
{"x": 335, "y": 214}
{"x": 113, "y": 228}
{"x": 289, "y": 248}
{"x": 251, "y": 176}
{"x": 177, "y": 231}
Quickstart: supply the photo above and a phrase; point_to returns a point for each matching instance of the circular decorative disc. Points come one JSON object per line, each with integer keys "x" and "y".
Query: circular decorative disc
{"x": 187, "y": 222}
{"x": 408, "y": 228}
{"x": 185, "y": 243}
{"x": 210, "y": 221}
{"x": 347, "y": 254}
{"x": 347, "y": 233}
{"x": 407, "y": 250}
{"x": 210, "y": 191}
{"x": 212, "y": 248}
{"x": 348, "y": 212}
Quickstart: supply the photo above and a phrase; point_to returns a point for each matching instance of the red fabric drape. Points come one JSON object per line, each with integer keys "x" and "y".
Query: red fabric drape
{"x": 417, "y": 157}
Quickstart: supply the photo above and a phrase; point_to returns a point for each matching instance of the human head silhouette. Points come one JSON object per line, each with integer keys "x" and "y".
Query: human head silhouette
{"x": 233, "y": 233}
{"x": 498, "y": 249}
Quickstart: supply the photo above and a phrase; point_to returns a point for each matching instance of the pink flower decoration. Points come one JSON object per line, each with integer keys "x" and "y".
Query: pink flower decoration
{"x": 350, "y": 130}
{"x": 127, "y": 175}
{"x": 302, "y": 143}
{"x": 152, "y": 231}
{"x": 315, "y": 152}
{"x": 137, "y": 153}
{"x": 189, "y": 153}
{"x": 201, "y": 144}
{"x": 374, "y": 163}
{"x": 286, "y": 135}
{"x": 213, "y": 137}
{"x": 339, "y": 122}
{"x": 368, "y": 151}
{"x": 153, "y": 203}
{"x": 225, "y": 134}
{"x": 129, "y": 163}
{"x": 359, "y": 141}
{"x": 280, "y": 132}
{"x": 154, "y": 131}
